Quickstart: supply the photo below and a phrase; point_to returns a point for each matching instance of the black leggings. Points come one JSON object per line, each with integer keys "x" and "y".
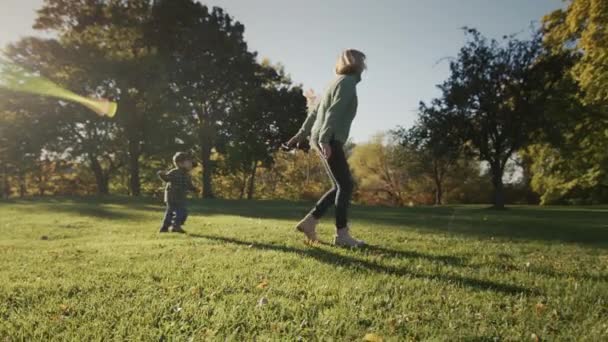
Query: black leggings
{"x": 342, "y": 180}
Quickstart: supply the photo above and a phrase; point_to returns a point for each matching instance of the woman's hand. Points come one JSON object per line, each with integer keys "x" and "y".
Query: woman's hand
{"x": 293, "y": 141}
{"x": 311, "y": 97}
{"x": 326, "y": 150}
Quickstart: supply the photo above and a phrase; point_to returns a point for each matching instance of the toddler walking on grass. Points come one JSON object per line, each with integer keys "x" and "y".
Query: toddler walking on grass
{"x": 178, "y": 184}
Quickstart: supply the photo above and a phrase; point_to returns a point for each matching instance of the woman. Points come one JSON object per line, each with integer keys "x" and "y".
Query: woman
{"x": 328, "y": 125}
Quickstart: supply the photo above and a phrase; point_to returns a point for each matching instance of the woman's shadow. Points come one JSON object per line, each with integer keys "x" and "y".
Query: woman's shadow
{"x": 328, "y": 257}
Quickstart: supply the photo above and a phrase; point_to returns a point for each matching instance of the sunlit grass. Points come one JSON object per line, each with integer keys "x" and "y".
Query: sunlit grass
{"x": 85, "y": 269}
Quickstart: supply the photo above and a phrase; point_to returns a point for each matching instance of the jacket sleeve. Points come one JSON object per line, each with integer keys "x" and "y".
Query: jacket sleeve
{"x": 164, "y": 176}
{"x": 304, "y": 132}
{"x": 169, "y": 176}
{"x": 342, "y": 96}
{"x": 190, "y": 186}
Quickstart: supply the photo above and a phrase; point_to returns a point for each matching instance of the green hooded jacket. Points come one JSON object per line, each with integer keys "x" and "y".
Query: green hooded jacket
{"x": 332, "y": 118}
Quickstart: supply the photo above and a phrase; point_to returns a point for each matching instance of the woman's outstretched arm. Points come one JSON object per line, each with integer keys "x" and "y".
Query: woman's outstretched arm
{"x": 312, "y": 103}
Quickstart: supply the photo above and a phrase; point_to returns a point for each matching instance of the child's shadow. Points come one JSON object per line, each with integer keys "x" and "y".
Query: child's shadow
{"x": 336, "y": 259}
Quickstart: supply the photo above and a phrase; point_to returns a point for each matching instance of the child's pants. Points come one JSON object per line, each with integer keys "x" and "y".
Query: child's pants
{"x": 175, "y": 215}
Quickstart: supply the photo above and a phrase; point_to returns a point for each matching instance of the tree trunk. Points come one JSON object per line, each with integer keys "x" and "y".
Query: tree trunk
{"x": 499, "y": 192}
{"x": 22, "y": 185}
{"x": 135, "y": 132}
{"x": 134, "y": 180}
{"x": 243, "y": 186}
{"x": 438, "y": 193}
{"x": 251, "y": 187}
{"x": 103, "y": 186}
{"x": 206, "y": 141}
{"x": 207, "y": 170}
{"x": 42, "y": 177}
{"x": 101, "y": 179}
{"x": 438, "y": 184}
{"x": 6, "y": 185}
{"x": 41, "y": 186}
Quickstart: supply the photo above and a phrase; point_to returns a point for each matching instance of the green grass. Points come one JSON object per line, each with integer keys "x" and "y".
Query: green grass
{"x": 85, "y": 269}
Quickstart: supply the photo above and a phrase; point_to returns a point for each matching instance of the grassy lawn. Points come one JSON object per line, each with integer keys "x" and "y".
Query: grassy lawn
{"x": 98, "y": 270}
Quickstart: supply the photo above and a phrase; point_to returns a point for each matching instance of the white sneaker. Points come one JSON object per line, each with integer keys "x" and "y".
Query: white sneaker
{"x": 344, "y": 239}
{"x": 308, "y": 226}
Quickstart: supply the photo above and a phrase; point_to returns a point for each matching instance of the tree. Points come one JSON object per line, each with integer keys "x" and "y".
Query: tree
{"x": 210, "y": 70}
{"x": 4, "y": 153}
{"x": 78, "y": 132}
{"x": 113, "y": 32}
{"x": 294, "y": 175}
{"x": 575, "y": 170}
{"x": 496, "y": 97}
{"x": 377, "y": 166}
{"x": 581, "y": 29}
{"x": 434, "y": 145}
{"x": 575, "y": 165}
{"x": 23, "y": 133}
{"x": 271, "y": 112}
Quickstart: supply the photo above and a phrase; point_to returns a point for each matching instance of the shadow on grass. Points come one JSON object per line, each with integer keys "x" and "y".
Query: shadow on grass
{"x": 444, "y": 259}
{"x": 577, "y": 275}
{"x": 96, "y": 212}
{"x": 335, "y": 259}
{"x": 582, "y": 225}
{"x": 87, "y": 208}
{"x": 585, "y": 227}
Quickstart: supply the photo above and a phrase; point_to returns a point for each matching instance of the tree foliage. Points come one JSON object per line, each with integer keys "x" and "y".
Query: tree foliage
{"x": 435, "y": 145}
{"x": 496, "y": 98}
{"x": 575, "y": 167}
{"x": 184, "y": 79}
{"x": 581, "y": 29}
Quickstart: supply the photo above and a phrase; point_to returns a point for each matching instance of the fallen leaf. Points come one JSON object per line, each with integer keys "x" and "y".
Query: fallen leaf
{"x": 196, "y": 291}
{"x": 540, "y": 308}
{"x": 372, "y": 338}
{"x": 66, "y": 310}
{"x": 264, "y": 284}
{"x": 263, "y": 301}
{"x": 392, "y": 323}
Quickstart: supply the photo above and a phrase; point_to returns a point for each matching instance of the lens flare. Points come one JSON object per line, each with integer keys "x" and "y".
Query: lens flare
{"x": 16, "y": 78}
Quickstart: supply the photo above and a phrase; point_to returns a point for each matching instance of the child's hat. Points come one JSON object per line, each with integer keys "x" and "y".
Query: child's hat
{"x": 181, "y": 157}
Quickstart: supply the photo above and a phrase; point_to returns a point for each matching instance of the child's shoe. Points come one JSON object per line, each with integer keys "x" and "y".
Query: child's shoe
{"x": 178, "y": 230}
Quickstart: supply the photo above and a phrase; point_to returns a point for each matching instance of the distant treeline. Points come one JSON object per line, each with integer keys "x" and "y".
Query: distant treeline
{"x": 518, "y": 121}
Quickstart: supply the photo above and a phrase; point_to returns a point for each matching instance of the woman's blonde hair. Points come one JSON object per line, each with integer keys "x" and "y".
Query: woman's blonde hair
{"x": 351, "y": 61}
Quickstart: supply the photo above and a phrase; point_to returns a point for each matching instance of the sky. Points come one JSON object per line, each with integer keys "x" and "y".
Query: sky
{"x": 406, "y": 41}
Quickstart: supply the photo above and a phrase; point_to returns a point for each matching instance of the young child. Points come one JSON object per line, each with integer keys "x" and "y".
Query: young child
{"x": 178, "y": 184}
